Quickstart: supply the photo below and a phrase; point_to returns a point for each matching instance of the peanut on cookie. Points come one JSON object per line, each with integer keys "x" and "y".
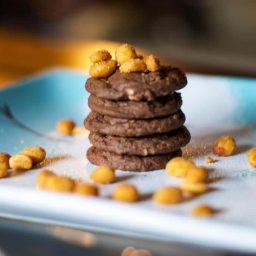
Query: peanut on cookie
{"x": 133, "y": 65}
{"x": 125, "y": 52}
{"x": 100, "y": 55}
{"x": 152, "y": 63}
{"x": 102, "y": 68}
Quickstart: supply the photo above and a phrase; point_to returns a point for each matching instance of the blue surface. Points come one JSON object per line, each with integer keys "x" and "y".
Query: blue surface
{"x": 39, "y": 102}
{"x": 244, "y": 91}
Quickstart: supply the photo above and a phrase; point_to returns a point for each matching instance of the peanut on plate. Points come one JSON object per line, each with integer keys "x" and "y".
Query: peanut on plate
{"x": 20, "y": 162}
{"x": 167, "y": 195}
{"x": 224, "y": 146}
{"x": 36, "y": 153}
{"x": 4, "y": 164}
{"x": 125, "y": 193}
{"x": 179, "y": 167}
{"x": 103, "y": 175}
{"x": 65, "y": 126}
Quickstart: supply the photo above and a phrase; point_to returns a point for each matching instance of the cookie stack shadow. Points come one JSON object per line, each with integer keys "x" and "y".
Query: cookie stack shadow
{"x": 136, "y": 123}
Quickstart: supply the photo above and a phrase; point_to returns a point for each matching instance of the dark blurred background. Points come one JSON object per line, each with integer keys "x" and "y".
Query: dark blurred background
{"x": 212, "y": 36}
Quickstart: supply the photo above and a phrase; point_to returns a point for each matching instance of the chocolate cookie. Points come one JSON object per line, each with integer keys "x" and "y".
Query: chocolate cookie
{"x": 144, "y": 146}
{"x": 133, "y": 128}
{"x": 137, "y": 86}
{"x": 161, "y": 106}
{"x": 129, "y": 163}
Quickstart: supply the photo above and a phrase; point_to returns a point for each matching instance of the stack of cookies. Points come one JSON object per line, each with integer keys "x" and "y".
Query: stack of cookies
{"x": 136, "y": 123}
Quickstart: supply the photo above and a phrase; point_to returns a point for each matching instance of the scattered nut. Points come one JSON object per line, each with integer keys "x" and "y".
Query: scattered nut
{"x": 125, "y": 52}
{"x": 127, "y": 251}
{"x": 20, "y": 162}
{"x": 78, "y": 130}
{"x": 59, "y": 183}
{"x": 195, "y": 188}
{"x": 140, "y": 252}
{"x": 202, "y": 210}
{"x": 103, "y": 175}
{"x": 41, "y": 178}
{"x": 102, "y": 68}
{"x": 179, "y": 167}
{"x": 152, "y": 63}
{"x": 252, "y": 157}
{"x": 224, "y": 146}
{"x": 100, "y": 55}
{"x": 131, "y": 251}
{"x": 36, "y": 153}
{"x": 126, "y": 193}
{"x": 210, "y": 160}
{"x": 65, "y": 126}
{"x": 197, "y": 174}
{"x": 133, "y": 65}
{"x": 86, "y": 189}
{"x": 4, "y": 164}
{"x": 168, "y": 195}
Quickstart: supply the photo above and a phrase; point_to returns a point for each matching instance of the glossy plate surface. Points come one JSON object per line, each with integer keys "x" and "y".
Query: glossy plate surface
{"x": 213, "y": 106}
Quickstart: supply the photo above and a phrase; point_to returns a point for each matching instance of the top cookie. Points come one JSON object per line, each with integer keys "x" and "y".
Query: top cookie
{"x": 137, "y": 86}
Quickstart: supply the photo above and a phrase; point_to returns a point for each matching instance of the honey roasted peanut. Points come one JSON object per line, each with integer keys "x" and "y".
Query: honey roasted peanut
{"x": 179, "y": 167}
{"x": 20, "y": 162}
{"x": 167, "y": 195}
{"x": 103, "y": 175}
{"x": 65, "y": 126}
{"x": 152, "y": 63}
{"x": 125, "y": 52}
{"x": 100, "y": 55}
{"x": 251, "y": 157}
{"x": 197, "y": 174}
{"x": 133, "y": 65}
{"x": 78, "y": 130}
{"x": 125, "y": 193}
{"x": 224, "y": 146}
{"x": 59, "y": 183}
{"x": 4, "y": 164}
{"x": 192, "y": 187}
{"x": 202, "y": 210}
{"x": 42, "y": 176}
{"x": 36, "y": 153}
{"x": 102, "y": 68}
{"x": 85, "y": 189}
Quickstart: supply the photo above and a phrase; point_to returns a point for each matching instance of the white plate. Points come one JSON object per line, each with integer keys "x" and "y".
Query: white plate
{"x": 213, "y": 106}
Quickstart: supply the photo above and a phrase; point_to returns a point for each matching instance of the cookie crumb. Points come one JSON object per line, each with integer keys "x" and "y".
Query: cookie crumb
{"x": 210, "y": 160}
